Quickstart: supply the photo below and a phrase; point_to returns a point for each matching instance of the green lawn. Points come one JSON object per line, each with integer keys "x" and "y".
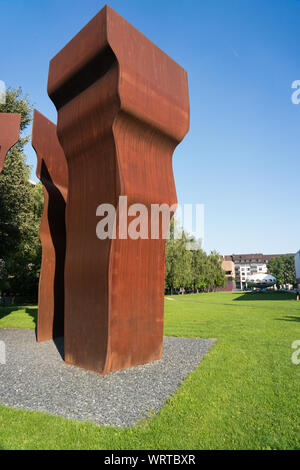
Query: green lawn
{"x": 22, "y": 317}
{"x": 244, "y": 395}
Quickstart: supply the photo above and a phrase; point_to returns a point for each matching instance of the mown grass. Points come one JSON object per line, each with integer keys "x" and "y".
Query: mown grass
{"x": 18, "y": 317}
{"x": 244, "y": 394}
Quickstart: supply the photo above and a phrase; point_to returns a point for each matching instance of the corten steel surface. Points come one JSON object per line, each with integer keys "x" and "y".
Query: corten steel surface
{"x": 53, "y": 172}
{"x": 123, "y": 107}
{"x": 9, "y": 133}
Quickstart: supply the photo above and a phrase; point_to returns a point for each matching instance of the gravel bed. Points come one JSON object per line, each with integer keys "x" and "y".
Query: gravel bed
{"x": 35, "y": 377}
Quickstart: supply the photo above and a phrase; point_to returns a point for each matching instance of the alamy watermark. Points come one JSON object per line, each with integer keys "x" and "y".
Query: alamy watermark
{"x": 137, "y": 221}
{"x": 295, "y": 358}
{"x": 2, "y": 353}
{"x": 296, "y": 354}
{"x": 2, "y": 92}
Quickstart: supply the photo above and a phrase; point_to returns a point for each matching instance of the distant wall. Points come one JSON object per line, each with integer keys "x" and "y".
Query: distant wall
{"x": 230, "y": 286}
{"x": 297, "y": 266}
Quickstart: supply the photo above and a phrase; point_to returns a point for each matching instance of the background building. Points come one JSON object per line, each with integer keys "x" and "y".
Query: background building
{"x": 297, "y": 267}
{"x": 244, "y": 266}
{"x": 228, "y": 266}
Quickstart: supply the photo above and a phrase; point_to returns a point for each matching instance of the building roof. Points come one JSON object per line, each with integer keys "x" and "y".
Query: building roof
{"x": 253, "y": 257}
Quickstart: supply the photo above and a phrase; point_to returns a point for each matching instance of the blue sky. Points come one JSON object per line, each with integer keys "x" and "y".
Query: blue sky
{"x": 241, "y": 156}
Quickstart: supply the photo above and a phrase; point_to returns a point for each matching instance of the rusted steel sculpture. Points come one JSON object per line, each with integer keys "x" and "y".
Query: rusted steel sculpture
{"x": 53, "y": 172}
{"x": 9, "y": 133}
{"x": 123, "y": 107}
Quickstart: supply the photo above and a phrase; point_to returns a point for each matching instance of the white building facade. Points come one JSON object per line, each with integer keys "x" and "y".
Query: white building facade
{"x": 297, "y": 267}
{"x": 248, "y": 264}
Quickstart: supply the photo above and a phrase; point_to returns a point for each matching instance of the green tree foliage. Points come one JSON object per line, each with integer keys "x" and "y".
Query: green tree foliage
{"x": 217, "y": 273}
{"x": 178, "y": 268}
{"x": 20, "y": 210}
{"x": 200, "y": 270}
{"x": 283, "y": 268}
{"x": 191, "y": 269}
{"x": 178, "y": 265}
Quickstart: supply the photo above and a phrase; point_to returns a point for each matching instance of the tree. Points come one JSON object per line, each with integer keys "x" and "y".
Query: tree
{"x": 178, "y": 260}
{"x": 14, "y": 185}
{"x": 178, "y": 265}
{"x": 283, "y": 268}
{"x": 191, "y": 268}
{"x": 3, "y": 275}
{"x": 20, "y": 209}
{"x": 199, "y": 270}
{"x": 217, "y": 273}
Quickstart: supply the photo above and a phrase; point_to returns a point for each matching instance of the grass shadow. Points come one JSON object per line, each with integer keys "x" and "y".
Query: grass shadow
{"x": 4, "y": 311}
{"x": 33, "y": 312}
{"x": 289, "y": 318}
{"x": 271, "y": 296}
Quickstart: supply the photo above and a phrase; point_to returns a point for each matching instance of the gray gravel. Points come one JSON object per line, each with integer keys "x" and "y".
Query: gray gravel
{"x": 35, "y": 377}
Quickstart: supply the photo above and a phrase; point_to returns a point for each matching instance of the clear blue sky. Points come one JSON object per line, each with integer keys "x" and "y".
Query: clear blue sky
{"x": 241, "y": 156}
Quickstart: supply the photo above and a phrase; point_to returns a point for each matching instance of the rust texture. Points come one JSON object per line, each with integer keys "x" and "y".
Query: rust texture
{"x": 9, "y": 133}
{"x": 123, "y": 107}
{"x": 53, "y": 173}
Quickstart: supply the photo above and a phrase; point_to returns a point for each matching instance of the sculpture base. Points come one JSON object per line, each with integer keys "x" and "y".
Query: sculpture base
{"x": 35, "y": 377}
